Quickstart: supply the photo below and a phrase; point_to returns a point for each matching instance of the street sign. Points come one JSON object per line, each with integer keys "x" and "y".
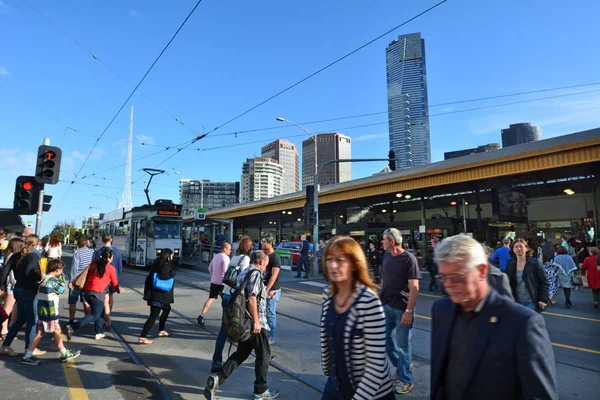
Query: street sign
{"x": 421, "y": 228}
{"x": 199, "y": 214}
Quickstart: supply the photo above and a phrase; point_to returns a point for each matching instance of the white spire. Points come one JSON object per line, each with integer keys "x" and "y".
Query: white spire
{"x": 126, "y": 197}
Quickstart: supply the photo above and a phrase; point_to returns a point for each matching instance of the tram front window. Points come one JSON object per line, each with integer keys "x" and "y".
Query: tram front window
{"x": 167, "y": 230}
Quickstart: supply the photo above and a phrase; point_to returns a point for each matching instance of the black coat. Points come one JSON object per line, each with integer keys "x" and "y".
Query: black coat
{"x": 165, "y": 272}
{"x": 534, "y": 278}
{"x": 511, "y": 356}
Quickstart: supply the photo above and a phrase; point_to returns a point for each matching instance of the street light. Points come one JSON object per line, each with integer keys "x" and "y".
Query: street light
{"x": 313, "y": 137}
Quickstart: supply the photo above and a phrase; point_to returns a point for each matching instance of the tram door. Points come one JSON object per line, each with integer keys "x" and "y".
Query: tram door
{"x": 134, "y": 236}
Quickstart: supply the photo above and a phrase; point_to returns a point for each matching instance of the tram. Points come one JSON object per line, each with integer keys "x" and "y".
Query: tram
{"x": 143, "y": 231}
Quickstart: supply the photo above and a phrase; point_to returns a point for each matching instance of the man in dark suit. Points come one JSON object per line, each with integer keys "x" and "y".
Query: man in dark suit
{"x": 484, "y": 345}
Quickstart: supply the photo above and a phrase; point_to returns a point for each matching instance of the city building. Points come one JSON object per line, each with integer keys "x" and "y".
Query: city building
{"x": 90, "y": 227}
{"x": 261, "y": 178}
{"x": 286, "y": 154}
{"x": 209, "y": 195}
{"x": 480, "y": 149}
{"x": 520, "y": 134}
{"x": 408, "y": 110}
{"x": 331, "y": 146}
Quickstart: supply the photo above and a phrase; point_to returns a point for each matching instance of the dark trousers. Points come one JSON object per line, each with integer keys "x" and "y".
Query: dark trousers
{"x": 96, "y": 315}
{"x": 596, "y": 295}
{"x": 154, "y": 312}
{"x": 217, "y": 359}
{"x": 260, "y": 344}
{"x": 25, "y": 313}
{"x": 302, "y": 265}
{"x": 433, "y": 283}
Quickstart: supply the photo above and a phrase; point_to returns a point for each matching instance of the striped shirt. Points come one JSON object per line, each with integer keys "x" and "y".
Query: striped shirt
{"x": 256, "y": 287}
{"x": 81, "y": 259}
{"x": 47, "y": 306}
{"x": 364, "y": 345}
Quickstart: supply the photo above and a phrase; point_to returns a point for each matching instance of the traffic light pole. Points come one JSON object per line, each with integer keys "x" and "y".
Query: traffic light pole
{"x": 315, "y": 262}
{"x": 40, "y": 210}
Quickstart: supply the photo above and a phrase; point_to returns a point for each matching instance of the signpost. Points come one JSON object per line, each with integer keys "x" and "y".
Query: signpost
{"x": 200, "y": 214}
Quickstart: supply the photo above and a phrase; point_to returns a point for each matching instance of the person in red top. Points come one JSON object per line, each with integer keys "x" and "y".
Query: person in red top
{"x": 590, "y": 264}
{"x": 100, "y": 275}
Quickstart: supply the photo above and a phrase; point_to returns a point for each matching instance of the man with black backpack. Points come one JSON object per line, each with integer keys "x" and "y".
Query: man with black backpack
{"x": 255, "y": 336}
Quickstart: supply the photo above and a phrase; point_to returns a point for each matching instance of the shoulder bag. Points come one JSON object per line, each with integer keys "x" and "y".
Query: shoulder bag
{"x": 79, "y": 282}
{"x": 162, "y": 285}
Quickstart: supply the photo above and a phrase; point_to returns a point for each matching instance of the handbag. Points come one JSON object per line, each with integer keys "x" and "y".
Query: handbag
{"x": 576, "y": 280}
{"x": 79, "y": 282}
{"x": 162, "y": 285}
{"x": 43, "y": 265}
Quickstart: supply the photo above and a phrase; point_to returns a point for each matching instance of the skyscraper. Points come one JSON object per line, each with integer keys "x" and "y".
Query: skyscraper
{"x": 210, "y": 195}
{"x": 286, "y": 154}
{"x": 521, "y": 133}
{"x": 331, "y": 146}
{"x": 408, "y": 110}
{"x": 261, "y": 179}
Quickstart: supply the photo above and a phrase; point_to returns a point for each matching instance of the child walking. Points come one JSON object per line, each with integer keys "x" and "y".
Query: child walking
{"x": 51, "y": 286}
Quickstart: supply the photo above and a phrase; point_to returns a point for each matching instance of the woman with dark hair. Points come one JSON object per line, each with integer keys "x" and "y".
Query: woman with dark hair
{"x": 8, "y": 281}
{"x": 158, "y": 300}
{"x": 100, "y": 275}
{"x": 53, "y": 248}
{"x": 26, "y": 268}
{"x": 527, "y": 279}
{"x": 550, "y": 270}
{"x": 566, "y": 269}
{"x": 352, "y": 327}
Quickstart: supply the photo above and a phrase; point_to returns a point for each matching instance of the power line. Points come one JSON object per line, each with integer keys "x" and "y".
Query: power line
{"x": 326, "y": 67}
{"x": 97, "y": 58}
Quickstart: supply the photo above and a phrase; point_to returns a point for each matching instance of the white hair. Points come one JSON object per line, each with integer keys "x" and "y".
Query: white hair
{"x": 394, "y": 234}
{"x": 461, "y": 248}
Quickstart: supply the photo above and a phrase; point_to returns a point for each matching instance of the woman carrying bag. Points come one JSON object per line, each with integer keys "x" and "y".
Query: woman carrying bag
{"x": 158, "y": 292}
{"x": 352, "y": 327}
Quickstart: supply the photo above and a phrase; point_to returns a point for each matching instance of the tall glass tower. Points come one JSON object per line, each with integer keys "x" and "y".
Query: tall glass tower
{"x": 408, "y": 110}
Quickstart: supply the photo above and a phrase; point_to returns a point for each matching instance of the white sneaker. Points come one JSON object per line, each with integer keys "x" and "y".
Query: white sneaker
{"x": 100, "y": 336}
{"x": 268, "y": 395}
{"x": 211, "y": 386}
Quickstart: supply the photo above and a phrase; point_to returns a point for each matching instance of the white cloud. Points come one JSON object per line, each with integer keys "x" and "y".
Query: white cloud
{"x": 134, "y": 13}
{"x": 77, "y": 156}
{"x": 17, "y": 161}
{"x": 146, "y": 139}
{"x": 3, "y": 71}
{"x": 374, "y": 136}
{"x": 97, "y": 153}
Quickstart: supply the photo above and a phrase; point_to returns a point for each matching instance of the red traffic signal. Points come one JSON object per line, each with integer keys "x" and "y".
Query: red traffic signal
{"x": 27, "y": 195}
{"x": 47, "y": 168}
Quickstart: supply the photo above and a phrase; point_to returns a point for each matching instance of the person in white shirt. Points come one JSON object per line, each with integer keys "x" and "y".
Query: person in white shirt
{"x": 53, "y": 248}
{"x": 217, "y": 269}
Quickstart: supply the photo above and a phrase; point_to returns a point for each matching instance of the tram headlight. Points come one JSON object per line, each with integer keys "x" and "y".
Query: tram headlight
{"x": 158, "y": 253}
{"x": 176, "y": 252}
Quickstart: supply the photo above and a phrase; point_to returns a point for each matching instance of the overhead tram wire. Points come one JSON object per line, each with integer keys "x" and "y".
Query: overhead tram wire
{"x": 95, "y": 57}
{"x": 131, "y": 95}
{"x": 327, "y": 66}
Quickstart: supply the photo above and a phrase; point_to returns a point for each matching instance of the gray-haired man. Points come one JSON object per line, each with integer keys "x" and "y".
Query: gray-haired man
{"x": 400, "y": 276}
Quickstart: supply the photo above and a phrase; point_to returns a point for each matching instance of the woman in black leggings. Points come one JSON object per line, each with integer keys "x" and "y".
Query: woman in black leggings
{"x": 158, "y": 300}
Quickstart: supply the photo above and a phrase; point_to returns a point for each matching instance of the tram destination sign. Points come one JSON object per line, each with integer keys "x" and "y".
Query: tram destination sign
{"x": 172, "y": 213}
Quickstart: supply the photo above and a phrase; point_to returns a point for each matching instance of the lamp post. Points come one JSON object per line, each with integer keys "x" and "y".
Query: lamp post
{"x": 313, "y": 137}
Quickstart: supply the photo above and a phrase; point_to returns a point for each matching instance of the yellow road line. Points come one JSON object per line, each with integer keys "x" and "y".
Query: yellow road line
{"x": 571, "y": 316}
{"x": 430, "y": 295}
{"x": 128, "y": 308}
{"x": 423, "y": 317}
{"x": 303, "y": 292}
{"x": 76, "y": 389}
{"x": 566, "y": 346}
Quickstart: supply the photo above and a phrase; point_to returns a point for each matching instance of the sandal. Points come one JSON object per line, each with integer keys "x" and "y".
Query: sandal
{"x": 144, "y": 341}
{"x": 163, "y": 334}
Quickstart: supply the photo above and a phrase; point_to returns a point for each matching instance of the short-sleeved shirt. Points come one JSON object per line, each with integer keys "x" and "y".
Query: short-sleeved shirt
{"x": 256, "y": 287}
{"x": 274, "y": 262}
{"x": 395, "y": 273}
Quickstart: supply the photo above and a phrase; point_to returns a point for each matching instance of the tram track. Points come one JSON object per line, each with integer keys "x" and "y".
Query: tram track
{"x": 298, "y": 319}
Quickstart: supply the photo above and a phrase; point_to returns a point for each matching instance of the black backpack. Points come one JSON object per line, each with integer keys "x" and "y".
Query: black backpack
{"x": 236, "y": 318}
{"x": 230, "y": 277}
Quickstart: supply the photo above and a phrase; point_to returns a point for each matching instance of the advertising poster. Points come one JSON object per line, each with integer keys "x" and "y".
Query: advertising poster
{"x": 140, "y": 252}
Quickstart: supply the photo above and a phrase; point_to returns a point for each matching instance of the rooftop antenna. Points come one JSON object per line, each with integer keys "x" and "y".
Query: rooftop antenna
{"x": 152, "y": 172}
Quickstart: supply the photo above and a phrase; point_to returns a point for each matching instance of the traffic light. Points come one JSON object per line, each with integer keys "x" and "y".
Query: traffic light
{"x": 27, "y": 195}
{"x": 46, "y": 206}
{"x": 309, "y": 206}
{"x": 47, "y": 168}
{"x": 392, "y": 160}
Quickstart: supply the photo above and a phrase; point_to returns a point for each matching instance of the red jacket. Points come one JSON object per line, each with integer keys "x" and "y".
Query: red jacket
{"x": 96, "y": 284}
{"x": 593, "y": 275}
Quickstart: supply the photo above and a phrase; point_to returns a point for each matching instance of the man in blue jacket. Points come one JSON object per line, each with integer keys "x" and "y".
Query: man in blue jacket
{"x": 484, "y": 345}
{"x": 501, "y": 255}
{"x": 117, "y": 262}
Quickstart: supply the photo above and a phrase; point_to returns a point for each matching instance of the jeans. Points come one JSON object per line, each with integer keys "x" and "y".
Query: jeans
{"x": 271, "y": 315}
{"x": 260, "y": 344}
{"x": 25, "y": 313}
{"x": 302, "y": 265}
{"x": 399, "y": 351}
{"x": 527, "y": 304}
{"x": 154, "y": 312}
{"x": 217, "y": 359}
{"x": 95, "y": 316}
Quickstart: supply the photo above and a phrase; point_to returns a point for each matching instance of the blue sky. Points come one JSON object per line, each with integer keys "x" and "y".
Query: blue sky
{"x": 232, "y": 55}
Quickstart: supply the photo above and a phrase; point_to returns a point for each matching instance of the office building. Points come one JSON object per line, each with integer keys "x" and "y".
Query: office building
{"x": 195, "y": 194}
{"x": 480, "y": 149}
{"x": 261, "y": 178}
{"x": 331, "y": 146}
{"x": 90, "y": 227}
{"x": 408, "y": 110}
{"x": 520, "y": 134}
{"x": 286, "y": 155}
